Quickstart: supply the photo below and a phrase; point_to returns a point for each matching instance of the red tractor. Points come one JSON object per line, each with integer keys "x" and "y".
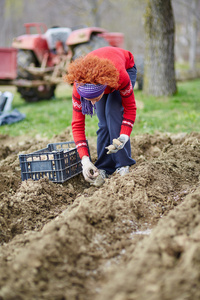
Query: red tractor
{"x": 43, "y": 57}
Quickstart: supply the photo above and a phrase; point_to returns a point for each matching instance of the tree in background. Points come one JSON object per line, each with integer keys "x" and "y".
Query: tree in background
{"x": 114, "y": 15}
{"x": 187, "y": 16}
{"x": 193, "y": 34}
{"x": 159, "y": 73}
{"x": 124, "y": 16}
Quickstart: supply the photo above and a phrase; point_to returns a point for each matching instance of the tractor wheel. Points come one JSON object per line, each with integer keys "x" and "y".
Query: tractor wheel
{"x": 95, "y": 43}
{"x": 24, "y": 59}
{"x": 31, "y": 94}
{"x": 36, "y": 94}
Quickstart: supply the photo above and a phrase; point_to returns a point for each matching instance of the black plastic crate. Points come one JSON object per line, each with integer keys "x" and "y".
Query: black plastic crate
{"x": 59, "y": 162}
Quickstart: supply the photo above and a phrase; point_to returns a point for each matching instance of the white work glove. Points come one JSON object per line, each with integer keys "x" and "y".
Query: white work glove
{"x": 90, "y": 172}
{"x": 118, "y": 144}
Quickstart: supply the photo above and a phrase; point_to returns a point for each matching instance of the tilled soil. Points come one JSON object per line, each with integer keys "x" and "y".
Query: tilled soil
{"x": 136, "y": 237}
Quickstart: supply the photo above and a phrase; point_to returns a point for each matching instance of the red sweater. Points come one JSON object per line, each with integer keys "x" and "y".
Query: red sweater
{"x": 122, "y": 60}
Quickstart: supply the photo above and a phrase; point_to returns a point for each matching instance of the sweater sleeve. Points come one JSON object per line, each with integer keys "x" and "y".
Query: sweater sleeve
{"x": 129, "y": 105}
{"x": 78, "y": 125}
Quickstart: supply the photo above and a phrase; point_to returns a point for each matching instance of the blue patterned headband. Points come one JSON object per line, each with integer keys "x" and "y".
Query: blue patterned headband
{"x": 89, "y": 90}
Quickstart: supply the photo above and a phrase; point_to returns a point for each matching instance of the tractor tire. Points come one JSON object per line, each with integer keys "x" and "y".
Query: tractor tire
{"x": 34, "y": 94}
{"x": 31, "y": 94}
{"x": 24, "y": 59}
{"x": 94, "y": 43}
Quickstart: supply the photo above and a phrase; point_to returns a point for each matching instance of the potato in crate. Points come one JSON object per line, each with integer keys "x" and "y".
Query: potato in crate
{"x": 59, "y": 162}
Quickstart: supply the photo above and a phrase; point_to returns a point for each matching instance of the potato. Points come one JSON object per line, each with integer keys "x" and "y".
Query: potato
{"x": 116, "y": 142}
{"x": 98, "y": 181}
{"x": 110, "y": 148}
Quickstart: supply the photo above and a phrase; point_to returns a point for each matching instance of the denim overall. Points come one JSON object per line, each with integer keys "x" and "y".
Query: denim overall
{"x": 109, "y": 111}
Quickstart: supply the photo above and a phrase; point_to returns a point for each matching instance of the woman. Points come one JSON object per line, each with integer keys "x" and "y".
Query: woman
{"x": 104, "y": 80}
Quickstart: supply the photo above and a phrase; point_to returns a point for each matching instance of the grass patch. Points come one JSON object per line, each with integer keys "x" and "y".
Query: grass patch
{"x": 46, "y": 117}
{"x": 179, "y": 113}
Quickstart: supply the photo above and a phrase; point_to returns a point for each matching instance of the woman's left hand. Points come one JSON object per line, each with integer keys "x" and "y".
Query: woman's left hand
{"x": 117, "y": 144}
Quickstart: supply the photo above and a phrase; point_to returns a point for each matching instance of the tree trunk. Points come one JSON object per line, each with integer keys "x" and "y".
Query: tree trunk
{"x": 95, "y": 13}
{"x": 159, "y": 72}
{"x": 193, "y": 35}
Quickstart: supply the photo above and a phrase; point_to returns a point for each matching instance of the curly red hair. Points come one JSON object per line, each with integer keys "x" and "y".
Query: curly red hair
{"x": 92, "y": 69}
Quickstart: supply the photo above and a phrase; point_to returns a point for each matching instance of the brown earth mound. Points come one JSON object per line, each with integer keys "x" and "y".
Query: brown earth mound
{"x": 136, "y": 237}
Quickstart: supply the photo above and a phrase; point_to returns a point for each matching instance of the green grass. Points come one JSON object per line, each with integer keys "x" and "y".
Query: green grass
{"x": 45, "y": 118}
{"x": 179, "y": 113}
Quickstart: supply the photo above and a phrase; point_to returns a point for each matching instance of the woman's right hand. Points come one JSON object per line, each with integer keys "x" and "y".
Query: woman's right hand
{"x": 90, "y": 172}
